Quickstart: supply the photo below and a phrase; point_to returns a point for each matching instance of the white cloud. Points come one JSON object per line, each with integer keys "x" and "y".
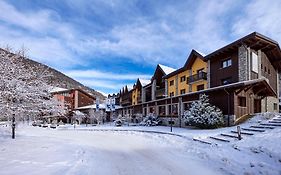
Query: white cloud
{"x": 261, "y": 16}
{"x": 43, "y": 49}
{"x": 104, "y": 75}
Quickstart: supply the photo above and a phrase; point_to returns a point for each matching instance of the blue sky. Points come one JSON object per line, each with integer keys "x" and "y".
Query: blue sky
{"x": 107, "y": 44}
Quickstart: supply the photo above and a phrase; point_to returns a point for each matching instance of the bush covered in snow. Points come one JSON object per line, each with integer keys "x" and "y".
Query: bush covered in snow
{"x": 203, "y": 115}
{"x": 150, "y": 120}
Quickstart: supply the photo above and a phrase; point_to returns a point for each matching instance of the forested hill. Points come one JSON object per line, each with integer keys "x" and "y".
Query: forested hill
{"x": 57, "y": 79}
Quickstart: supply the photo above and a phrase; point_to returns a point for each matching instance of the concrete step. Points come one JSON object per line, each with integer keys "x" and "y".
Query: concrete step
{"x": 274, "y": 122}
{"x": 219, "y": 139}
{"x": 245, "y": 133}
{"x": 270, "y": 124}
{"x": 229, "y": 135}
{"x": 254, "y": 130}
{"x": 202, "y": 141}
{"x": 263, "y": 127}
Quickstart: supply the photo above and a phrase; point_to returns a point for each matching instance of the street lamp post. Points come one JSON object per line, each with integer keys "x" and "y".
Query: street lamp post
{"x": 13, "y": 126}
{"x": 171, "y": 123}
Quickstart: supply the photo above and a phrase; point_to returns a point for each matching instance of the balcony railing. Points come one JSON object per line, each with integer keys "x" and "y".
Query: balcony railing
{"x": 196, "y": 77}
{"x": 160, "y": 92}
{"x": 139, "y": 99}
{"x": 126, "y": 101}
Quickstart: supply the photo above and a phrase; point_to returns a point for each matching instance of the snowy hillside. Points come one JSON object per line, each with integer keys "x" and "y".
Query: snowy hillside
{"x": 57, "y": 79}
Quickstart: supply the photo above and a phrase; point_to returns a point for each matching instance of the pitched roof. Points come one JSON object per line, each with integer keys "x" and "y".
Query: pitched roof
{"x": 255, "y": 41}
{"x": 166, "y": 69}
{"x": 144, "y": 82}
{"x": 57, "y": 89}
{"x": 189, "y": 61}
{"x": 192, "y": 57}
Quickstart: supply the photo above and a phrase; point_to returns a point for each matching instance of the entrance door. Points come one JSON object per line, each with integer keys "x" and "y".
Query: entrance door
{"x": 257, "y": 106}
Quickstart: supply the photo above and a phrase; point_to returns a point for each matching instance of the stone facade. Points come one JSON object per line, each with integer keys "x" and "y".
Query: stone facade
{"x": 243, "y": 73}
{"x": 208, "y": 74}
{"x": 269, "y": 103}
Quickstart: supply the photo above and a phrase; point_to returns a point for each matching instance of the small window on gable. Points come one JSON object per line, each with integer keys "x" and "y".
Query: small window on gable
{"x": 226, "y": 63}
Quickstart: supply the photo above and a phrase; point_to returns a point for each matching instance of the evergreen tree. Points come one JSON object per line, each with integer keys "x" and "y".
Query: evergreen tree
{"x": 204, "y": 115}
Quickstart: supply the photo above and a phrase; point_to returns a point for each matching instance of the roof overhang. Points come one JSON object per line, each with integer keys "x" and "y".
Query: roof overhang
{"x": 188, "y": 64}
{"x": 255, "y": 41}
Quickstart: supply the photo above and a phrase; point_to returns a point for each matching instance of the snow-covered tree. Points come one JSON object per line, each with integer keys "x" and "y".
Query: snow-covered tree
{"x": 96, "y": 116}
{"x": 203, "y": 115}
{"x": 23, "y": 91}
{"x": 150, "y": 120}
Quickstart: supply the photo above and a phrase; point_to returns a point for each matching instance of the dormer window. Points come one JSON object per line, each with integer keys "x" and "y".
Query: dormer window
{"x": 226, "y": 63}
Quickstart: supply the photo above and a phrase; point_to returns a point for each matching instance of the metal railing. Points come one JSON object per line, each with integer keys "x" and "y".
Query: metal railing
{"x": 160, "y": 92}
{"x": 196, "y": 77}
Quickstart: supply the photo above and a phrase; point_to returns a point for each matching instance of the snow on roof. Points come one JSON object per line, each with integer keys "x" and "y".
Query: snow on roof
{"x": 201, "y": 53}
{"x": 144, "y": 82}
{"x": 101, "y": 106}
{"x": 94, "y": 106}
{"x": 167, "y": 70}
{"x": 57, "y": 89}
{"x": 130, "y": 87}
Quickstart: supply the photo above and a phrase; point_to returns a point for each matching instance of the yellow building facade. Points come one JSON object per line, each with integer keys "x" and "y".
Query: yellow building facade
{"x": 190, "y": 78}
{"x": 135, "y": 95}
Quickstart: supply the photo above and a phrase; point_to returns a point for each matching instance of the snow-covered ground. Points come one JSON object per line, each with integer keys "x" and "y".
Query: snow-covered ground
{"x": 104, "y": 150}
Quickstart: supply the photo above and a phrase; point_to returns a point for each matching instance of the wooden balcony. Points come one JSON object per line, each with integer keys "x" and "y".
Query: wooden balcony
{"x": 160, "y": 92}
{"x": 196, "y": 77}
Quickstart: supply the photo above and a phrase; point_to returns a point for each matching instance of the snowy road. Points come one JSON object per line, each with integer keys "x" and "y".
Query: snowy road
{"x": 45, "y": 151}
{"x": 83, "y": 151}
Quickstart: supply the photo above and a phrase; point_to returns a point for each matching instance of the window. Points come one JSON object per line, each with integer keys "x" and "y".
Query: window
{"x": 182, "y": 78}
{"x": 226, "y": 81}
{"x": 162, "y": 110}
{"x": 200, "y": 87}
{"x": 274, "y": 106}
{"x": 261, "y": 67}
{"x": 255, "y": 62}
{"x": 200, "y": 71}
{"x": 173, "y": 109}
{"x": 226, "y": 63}
{"x": 171, "y": 94}
{"x": 242, "y": 101}
{"x": 171, "y": 82}
{"x": 187, "y": 106}
{"x": 265, "y": 69}
{"x": 268, "y": 71}
{"x": 183, "y": 91}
